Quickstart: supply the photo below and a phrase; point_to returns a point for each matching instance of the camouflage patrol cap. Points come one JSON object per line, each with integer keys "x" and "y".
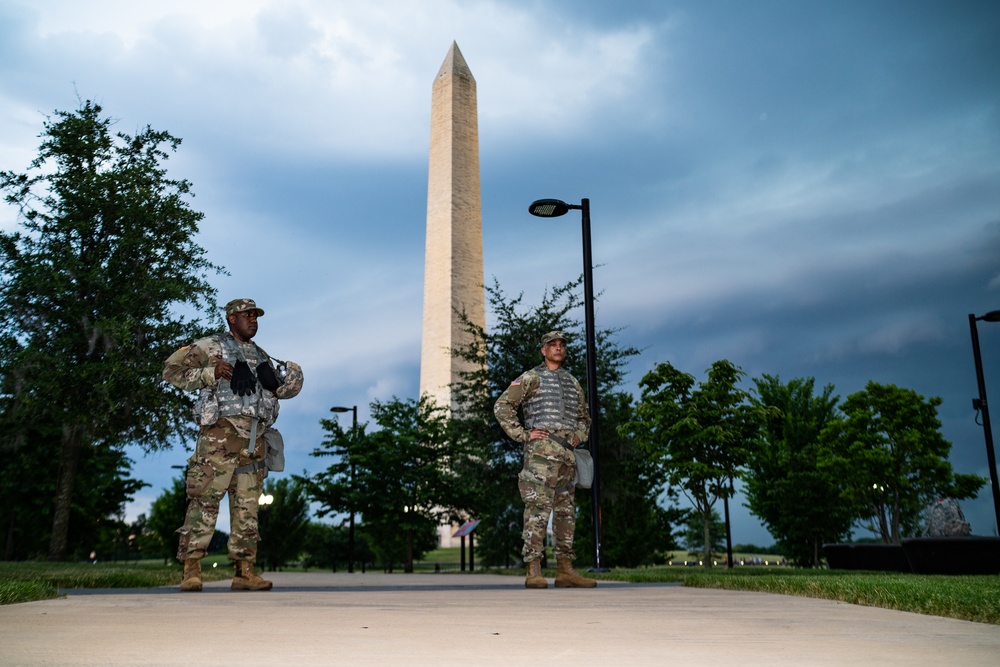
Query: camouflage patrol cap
{"x": 241, "y": 306}
{"x": 551, "y": 336}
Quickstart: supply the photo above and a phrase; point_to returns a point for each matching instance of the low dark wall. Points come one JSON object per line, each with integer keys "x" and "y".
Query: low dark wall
{"x": 953, "y": 555}
{"x": 875, "y": 557}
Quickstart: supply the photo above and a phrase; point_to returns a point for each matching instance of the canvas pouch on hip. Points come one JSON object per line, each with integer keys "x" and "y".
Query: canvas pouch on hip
{"x": 274, "y": 446}
{"x": 584, "y": 469}
{"x": 584, "y": 463}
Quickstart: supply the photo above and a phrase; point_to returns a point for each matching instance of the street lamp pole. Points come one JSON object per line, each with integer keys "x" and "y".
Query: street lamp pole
{"x": 553, "y": 208}
{"x": 350, "y": 529}
{"x": 981, "y": 405}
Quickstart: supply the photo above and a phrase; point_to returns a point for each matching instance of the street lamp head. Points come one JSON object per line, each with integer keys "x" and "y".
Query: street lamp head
{"x": 340, "y": 409}
{"x": 992, "y": 316}
{"x": 549, "y": 208}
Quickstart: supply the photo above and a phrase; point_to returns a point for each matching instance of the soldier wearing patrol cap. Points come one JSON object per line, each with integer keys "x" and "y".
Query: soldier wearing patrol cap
{"x": 238, "y": 387}
{"x": 556, "y": 421}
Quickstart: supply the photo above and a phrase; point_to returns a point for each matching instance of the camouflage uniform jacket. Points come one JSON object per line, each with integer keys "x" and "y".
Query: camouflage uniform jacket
{"x": 560, "y": 388}
{"x": 192, "y": 368}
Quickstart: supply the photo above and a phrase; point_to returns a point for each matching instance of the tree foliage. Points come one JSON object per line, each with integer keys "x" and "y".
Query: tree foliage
{"x": 28, "y": 483}
{"x": 104, "y": 253}
{"x": 798, "y": 503}
{"x": 702, "y": 434}
{"x": 328, "y": 546}
{"x": 634, "y": 525}
{"x": 400, "y": 479}
{"x": 159, "y": 536}
{"x": 891, "y": 459}
{"x": 694, "y": 534}
{"x": 166, "y": 515}
{"x": 638, "y": 510}
{"x": 284, "y": 523}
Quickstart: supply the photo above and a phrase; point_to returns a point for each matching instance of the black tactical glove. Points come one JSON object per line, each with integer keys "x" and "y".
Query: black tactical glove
{"x": 268, "y": 380}
{"x": 243, "y": 382}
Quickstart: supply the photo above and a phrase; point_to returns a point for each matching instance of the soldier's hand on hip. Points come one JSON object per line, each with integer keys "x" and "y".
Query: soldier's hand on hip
{"x": 537, "y": 434}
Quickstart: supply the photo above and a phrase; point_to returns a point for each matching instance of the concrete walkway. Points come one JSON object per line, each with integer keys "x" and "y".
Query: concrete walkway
{"x": 473, "y": 619}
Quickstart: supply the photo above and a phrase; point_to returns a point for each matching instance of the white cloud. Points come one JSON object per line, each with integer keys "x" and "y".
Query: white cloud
{"x": 342, "y": 78}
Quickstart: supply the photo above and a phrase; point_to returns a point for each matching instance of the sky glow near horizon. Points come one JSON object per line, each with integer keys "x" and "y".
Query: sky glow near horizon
{"x": 805, "y": 189}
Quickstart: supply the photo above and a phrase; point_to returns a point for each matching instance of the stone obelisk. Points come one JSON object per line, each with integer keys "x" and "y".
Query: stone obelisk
{"x": 453, "y": 265}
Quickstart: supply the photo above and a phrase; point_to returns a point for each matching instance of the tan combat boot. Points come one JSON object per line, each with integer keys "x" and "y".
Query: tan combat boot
{"x": 247, "y": 580}
{"x": 191, "y": 579}
{"x": 535, "y": 578}
{"x": 567, "y": 577}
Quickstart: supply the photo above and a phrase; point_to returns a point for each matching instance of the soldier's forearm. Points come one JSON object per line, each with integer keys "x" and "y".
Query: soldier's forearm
{"x": 190, "y": 379}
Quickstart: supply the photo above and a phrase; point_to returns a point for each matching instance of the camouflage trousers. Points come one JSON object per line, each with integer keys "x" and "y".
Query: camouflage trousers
{"x": 211, "y": 475}
{"x": 546, "y": 487}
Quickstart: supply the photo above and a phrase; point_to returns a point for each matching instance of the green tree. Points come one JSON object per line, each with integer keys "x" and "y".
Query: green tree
{"x": 639, "y": 512}
{"x": 166, "y": 515}
{"x": 400, "y": 479}
{"x": 694, "y": 534}
{"x": 798, "y": 503}
{"x": 285, "y": 522}
{"x": 327, "y": 546}
{"x": 891, "y": 459}
{"x": 701, "y": 434}
{"x": 634, "y": 525}
{"x": 497, "y": 357}
{"x": 105, "y": 252}
{"x": 28, "y": 482}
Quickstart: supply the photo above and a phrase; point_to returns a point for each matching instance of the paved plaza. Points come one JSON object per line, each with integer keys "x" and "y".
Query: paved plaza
{"x": 395, "y": 620}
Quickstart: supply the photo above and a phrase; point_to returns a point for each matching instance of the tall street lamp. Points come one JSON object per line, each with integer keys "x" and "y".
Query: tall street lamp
{"x": 350, "y": 529}
{"x": 553, "y": 208}
{"x": 981, "y": 405}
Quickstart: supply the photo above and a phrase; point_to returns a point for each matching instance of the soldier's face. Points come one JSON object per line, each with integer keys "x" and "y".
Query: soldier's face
{"x": 243, "y": 325}
{"x": 554, "y": 351}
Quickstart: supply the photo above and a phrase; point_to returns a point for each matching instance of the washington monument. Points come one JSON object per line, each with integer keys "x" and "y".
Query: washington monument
{"x": 453, "y": 265}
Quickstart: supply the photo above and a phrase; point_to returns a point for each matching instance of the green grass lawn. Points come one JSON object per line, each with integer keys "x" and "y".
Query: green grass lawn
{"x": 34, "y": 580}
{"x": 971, "y": 598}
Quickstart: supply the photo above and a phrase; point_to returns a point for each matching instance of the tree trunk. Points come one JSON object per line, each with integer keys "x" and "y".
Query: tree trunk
{"x": 883, "y": 525}
{"x": 707, "y": 552}
{"x": 8, "y": 552}
{"x": 895, "y": 519}
{"x": 69, "y": 459}
{"x": 408, "y": 567}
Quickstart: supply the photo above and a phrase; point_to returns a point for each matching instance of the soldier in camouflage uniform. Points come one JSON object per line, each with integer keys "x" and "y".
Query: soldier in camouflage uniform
{"x": 239, "y": 387}
{"x": 556, "y": 421}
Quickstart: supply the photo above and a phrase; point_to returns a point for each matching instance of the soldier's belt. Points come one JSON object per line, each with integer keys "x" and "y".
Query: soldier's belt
{"x": 250, "y": 467}
{"x": 567, "y": 443}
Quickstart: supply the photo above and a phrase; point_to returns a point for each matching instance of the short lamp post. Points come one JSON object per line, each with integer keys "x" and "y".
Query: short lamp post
{"x": 553, "y": 208}
{"x": 981, "y": 405}
{"x": 350, "y": 529}
{"x": 264, "y": 502}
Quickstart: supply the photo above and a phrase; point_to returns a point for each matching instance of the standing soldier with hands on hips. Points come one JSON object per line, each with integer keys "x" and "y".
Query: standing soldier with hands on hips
{"x": 238, "y": 387}
{"x": 556, "y": 421}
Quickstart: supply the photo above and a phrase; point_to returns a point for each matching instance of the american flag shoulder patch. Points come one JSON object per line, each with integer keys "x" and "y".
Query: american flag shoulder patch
{"x": 516, "y": 382}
